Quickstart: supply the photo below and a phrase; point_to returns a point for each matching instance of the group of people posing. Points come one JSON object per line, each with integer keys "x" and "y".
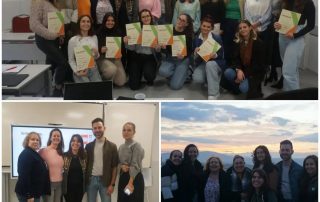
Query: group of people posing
{"x": 51, "y": 173}
{"x": 185, "y": 179}
{"x": 245, "y": 30}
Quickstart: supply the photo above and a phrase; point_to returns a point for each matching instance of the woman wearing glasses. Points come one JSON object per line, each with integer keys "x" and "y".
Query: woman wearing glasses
{"x": 175, "y": 68}
{"x": 142, "y": 59}
{"x": 171, "y": 177}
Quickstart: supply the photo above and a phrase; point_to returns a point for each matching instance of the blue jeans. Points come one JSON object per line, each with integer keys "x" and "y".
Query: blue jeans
{"x": 291, "y": 51}
{"x": 24, "y": 199}
{"x": 94, "y": 186}
{"x": 209, "y": 72}
{"x": 176, "y": 70}
{"x": 230, "y": 74}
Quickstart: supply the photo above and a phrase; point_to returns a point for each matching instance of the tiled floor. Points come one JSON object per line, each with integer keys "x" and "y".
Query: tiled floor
{"x": 192, "y": 91}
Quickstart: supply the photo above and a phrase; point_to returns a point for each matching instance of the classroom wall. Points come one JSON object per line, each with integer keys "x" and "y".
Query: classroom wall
{"x": 75, "y": 112}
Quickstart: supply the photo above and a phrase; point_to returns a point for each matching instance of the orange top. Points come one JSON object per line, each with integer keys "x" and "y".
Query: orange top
{"x": 84, "y": 7}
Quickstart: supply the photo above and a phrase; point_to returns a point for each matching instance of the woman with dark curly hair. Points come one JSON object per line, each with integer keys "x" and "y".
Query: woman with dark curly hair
{"x": 261, "y": 159}
{"x": 260, "y": 191}
{"x": 309, "y": 181}
{"x": 192, "y": 173}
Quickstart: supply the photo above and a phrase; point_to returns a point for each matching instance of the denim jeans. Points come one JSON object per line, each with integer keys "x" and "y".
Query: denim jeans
{"x": 92, "y": 76}
{"x": 94, "y": 186}
{"x": 24, "y": 199}
{"x": 209, "y": 72}
{"x": 175, "y": 69}
{"x": 230, "y": 74}
{"x": 56, "y": 192}
{"x": 291, "y": 51}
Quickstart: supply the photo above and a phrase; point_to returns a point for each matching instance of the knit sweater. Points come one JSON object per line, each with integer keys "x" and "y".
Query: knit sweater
{"x": 54, "y": 162}
{"x": 39, "y": 18}
{"x": 152, "y": 5}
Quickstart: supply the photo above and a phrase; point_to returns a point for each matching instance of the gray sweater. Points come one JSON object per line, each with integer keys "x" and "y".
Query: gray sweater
{"x": 131, "y": 153}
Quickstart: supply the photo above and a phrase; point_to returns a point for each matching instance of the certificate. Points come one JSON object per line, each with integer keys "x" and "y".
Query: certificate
{"x": 179, "y": 46}
{"x": 208, "y": 47}
{"x": 149, "y": 36}
{"x": 113, "y": 45}
{"x": 134, "y": 32}
{"x": 84, "y": 57}
{"x": 165, "y": 34}
{"x": 56, "y": 22}
{"x": 289, "y": 21}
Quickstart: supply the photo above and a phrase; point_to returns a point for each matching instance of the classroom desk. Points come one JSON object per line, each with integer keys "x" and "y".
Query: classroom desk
{"x": 17, "y": 46}
{"x": 37, "y": 83}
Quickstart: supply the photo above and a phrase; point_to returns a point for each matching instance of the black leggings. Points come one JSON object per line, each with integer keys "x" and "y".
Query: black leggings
{"x": 138, "y": 193}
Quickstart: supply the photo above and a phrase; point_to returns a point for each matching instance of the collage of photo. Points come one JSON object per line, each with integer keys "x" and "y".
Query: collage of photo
{"x": 159, "y": 101}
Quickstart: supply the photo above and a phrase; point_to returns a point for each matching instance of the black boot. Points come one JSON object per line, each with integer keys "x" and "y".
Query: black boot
{"x": 273, "y": 76}
{"x": 279, "y": 84}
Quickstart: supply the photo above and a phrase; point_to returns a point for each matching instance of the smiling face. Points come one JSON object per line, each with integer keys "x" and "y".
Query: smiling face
{"x": 206, "y": 27}
{"x": 182, "y": 21}
{"x": 311, "y": 167}
{"x": 244, "y": 30}
{"x": 110, "y": 22}
{"x": 286, "y": 151}
{"x": 214, "y": 165}
{"x": 261, "y": 155}
{"x": 75, "y": 144}
{"x": 34, "y": 141}
{"x": 176, "y": 158}
{"x": 257, "y": 180}
{"x": 128, "y": 131}
{"x": 55, "y": 137}
{"x": 98, "y": 129}
{"x": 238, "y": 165}
{"x": 85, "y": 23}
{"x": 193, "y": 153}
{"x": 146, "y": 18}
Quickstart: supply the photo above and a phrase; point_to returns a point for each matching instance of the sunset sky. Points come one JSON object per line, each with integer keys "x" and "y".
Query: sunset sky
{"x": 239, "y": 127}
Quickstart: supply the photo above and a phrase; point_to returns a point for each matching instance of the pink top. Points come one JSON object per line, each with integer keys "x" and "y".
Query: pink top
{"x": 54, "y": 162}
{"x": 152, "y": 5}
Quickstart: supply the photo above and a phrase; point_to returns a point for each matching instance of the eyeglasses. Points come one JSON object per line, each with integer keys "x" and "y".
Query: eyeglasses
{"x": 182, "y": 20}
{"x": 146, "y": 16}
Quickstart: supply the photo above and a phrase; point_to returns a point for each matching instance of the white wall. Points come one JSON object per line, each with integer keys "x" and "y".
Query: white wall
{"x": 11, "y": 8}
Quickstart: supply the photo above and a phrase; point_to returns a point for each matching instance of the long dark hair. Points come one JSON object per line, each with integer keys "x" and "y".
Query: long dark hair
{"x": 305, "y": 180}
{"x": 140, "y": 19}
{"x": 90, "y": 31}
{"x": 103, "y": 27}
{"x": 267, "y": 164}
{"x": 189, "y": 29}
{"x": 264, "y": 188}
{"x": 186, "y": 150}
{"x": 298, "y": 5}
{"x": 81, "y": 152}
{"x": 60, "y": 147}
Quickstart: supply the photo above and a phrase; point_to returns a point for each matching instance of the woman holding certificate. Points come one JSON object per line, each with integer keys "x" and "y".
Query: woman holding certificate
{"x": 131, "y": 182}
{"x": 49, "y": 35}
{"x": 110, "y": 65}
{"x": 176, "y": 63}
{"x": 83, "y": 51}
{"x": 209, "y": 59}
{"x": 291, "y": 42}
{"x": 142, "y": 59}
{"x": 248, "y": 64}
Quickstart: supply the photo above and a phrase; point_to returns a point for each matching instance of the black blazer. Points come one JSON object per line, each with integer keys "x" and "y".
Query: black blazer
{"x": 33, "y": 180}
{"x": 258, "y": 63}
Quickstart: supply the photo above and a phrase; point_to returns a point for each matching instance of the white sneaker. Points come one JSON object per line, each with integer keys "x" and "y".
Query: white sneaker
{"x": 213, "y": 97}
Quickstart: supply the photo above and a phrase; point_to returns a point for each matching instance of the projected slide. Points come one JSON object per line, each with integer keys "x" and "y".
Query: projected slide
{"x": 19, "y": 132}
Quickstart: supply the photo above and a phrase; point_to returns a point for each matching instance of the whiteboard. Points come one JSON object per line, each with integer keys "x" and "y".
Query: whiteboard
{"x": 75, "y": 115}
{"x": 143, "y": 115}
